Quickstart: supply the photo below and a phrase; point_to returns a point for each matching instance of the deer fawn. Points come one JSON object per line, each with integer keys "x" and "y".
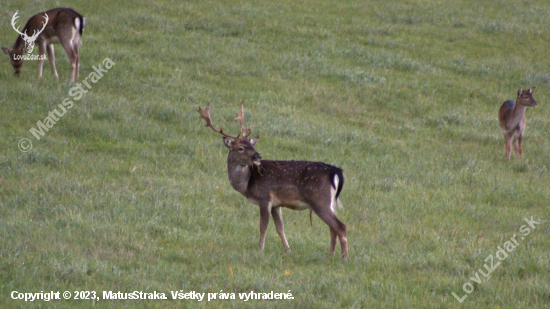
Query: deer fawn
{"x": 59, "y": 25}
{"x": 511, "y": 117}
{"x": 296, "y": 185}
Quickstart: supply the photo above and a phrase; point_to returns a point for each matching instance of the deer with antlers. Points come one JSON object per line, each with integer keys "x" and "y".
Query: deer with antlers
{"x": 271, "y": 185}
{"x": 60, "y": 25}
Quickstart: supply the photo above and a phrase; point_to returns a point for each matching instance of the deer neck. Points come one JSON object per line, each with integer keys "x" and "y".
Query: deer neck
{"x": 239, "y": 175}
{"x": 19, "y": 43}
{"x": 519, "y": 112}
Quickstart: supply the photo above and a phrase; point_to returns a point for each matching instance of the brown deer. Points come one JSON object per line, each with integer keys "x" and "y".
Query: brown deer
{"x": 60, "y": 25}
{"x": 511, "y": 117}
{"x": 296, "y": 185}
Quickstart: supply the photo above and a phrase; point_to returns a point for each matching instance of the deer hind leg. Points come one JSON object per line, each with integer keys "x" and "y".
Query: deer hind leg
{"x": 337, "y": 228}
{"x": 343, "y": 240}
{"x": 68, "y": 46}
{"x": 51, "y": 59}
{"x": 76, "y": 47}
{"x": 333, "y": 236}
{"x": 279, "y": 225}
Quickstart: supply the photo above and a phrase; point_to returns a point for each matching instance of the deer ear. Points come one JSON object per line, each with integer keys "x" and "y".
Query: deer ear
{"x": 253, "y": 140}
{"x": 519, "y": 91}
{"x": 6, "y": 50}
{"x": 228, "y": 142}
{"x": 532, "y": 89}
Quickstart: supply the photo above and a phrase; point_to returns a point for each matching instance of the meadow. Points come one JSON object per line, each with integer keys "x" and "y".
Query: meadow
{"x": 128, "y": 191}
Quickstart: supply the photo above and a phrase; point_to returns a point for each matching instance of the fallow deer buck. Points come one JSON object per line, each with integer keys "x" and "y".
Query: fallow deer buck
{"x": 296, "y": 185}
{"x": 511, "y": 117}
{"x": 60, "y": 25}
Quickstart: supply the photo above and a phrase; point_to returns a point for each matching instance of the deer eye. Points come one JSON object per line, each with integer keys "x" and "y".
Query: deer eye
{"x": 241, "y": 149}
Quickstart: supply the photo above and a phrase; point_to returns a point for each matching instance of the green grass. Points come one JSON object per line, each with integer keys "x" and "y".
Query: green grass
{"x": 129, "y": 192}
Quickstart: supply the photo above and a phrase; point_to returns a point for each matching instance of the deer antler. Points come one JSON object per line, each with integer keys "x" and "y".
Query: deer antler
{"x": 205, "y": 114}
{"x": 36, "y": 33}
{"x": 240, "y": 118}
{"x": 13, "y": 21}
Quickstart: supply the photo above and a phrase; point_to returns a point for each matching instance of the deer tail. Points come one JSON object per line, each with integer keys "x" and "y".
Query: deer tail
{"x": 337, "y": 180}
{"x": 79, "y": 23}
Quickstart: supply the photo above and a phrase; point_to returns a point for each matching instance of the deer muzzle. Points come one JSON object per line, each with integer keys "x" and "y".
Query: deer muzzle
{"x": 256, "y": 159}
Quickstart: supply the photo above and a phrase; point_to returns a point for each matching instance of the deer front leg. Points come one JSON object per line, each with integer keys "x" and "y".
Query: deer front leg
{"x": 519, "y": 146}
{"x": 41, "y": 52}
{"x": 515, "y": 145}
{"x": 279, "y": 225}
{"x": 508, "y": 143}
{"x": 264, "y": 221}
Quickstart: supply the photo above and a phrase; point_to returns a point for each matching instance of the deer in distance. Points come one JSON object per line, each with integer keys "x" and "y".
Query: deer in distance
{"x": 511, "y": 117}
{"x": 297, "y": 185}
{"x": 60, "y": 25}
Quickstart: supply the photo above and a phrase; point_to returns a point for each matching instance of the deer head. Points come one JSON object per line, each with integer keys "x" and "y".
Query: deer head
{"x": 525, "y": 97}
{"x": 241, "y": 148}
{"x": 16, "y": 58}
{"x": 29, "y": 40}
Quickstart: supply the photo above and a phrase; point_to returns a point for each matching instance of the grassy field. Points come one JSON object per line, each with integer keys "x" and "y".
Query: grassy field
{"x": 128, "y": 191}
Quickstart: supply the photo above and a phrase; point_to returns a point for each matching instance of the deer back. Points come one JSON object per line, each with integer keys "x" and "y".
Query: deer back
{"x": 294, "y": 184}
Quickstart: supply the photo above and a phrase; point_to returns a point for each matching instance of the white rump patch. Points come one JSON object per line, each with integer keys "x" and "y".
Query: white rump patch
{"x": 77, "y": 23}
{"x": 333, "y": 200}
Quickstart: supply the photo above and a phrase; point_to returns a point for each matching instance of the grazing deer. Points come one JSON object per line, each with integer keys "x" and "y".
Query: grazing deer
{"x": 59, "y": 25}
{"x": 296, "y": 185}
{"x": 511, "y": 117}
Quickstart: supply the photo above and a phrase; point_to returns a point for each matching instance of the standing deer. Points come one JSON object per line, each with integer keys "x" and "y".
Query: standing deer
{"x": 271, "y": 185}
{"x": 511, "y": 117}
{"x": 58, "y": 25}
